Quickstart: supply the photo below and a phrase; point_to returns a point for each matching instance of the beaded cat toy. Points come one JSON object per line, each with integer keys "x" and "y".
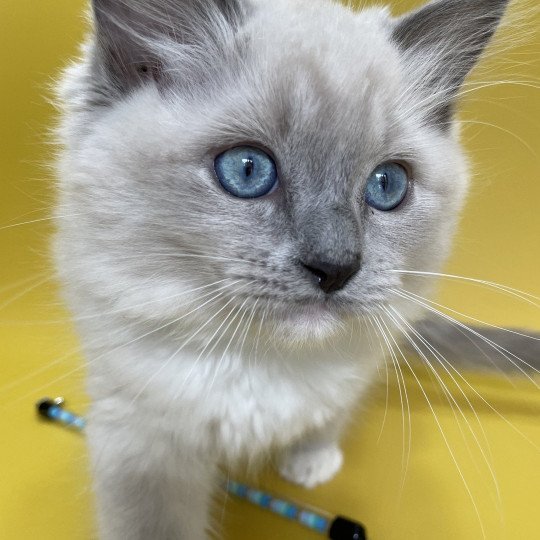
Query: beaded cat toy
{"x": 335, "y": 528}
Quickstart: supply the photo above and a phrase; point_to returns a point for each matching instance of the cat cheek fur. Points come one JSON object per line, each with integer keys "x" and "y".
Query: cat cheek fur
{"x": 193, "y": 307}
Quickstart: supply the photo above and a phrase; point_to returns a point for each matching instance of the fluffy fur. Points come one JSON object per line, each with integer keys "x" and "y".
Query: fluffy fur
{"x": 207, "y": 340}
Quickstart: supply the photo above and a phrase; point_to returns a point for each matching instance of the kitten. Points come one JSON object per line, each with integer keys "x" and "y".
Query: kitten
{"x": 240, "y": 181}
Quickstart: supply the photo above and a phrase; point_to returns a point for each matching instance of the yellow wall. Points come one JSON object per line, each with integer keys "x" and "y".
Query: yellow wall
{"x": 44, "y": 489}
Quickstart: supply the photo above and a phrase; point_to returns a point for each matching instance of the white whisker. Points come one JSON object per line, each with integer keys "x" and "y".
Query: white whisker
{"x": 446, "y": 442}
{"x": 248, "y": 327}
{"x": 52, "y": 218}
{"x": 504, "y": 288}
{"x": 20, "y": 294}
{"x": 450, "y": 398}
{"x": 75, "y": 370}
{"x": 404, "y": 399}
{"x": 383, "y": 423}
{"x": 501, "y": 350}
{"x": 502, "y": 417}
{"x": 64, "y": 357}
{"x": 22, "y": 282}
{"x": 175, "y": 353}
{"x": 461, "y": 314}
{"x": 184, "y": 345}
{"x": 220, "y": 362}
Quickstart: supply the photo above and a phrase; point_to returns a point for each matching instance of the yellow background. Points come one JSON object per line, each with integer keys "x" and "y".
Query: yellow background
{"x": 44, "y": 486}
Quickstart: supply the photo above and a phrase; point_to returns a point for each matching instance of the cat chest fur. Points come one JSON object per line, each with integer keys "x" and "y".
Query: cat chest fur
{"x": 228, "y": 406}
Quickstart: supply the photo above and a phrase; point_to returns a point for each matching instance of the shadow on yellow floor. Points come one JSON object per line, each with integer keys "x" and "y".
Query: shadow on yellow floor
{"x": 444, "y": 475}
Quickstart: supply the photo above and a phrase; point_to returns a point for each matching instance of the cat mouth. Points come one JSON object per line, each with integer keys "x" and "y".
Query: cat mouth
{"x": 303, "y": 320}
{"x": 309, "y": 308}
{"x": 312, "y": 311}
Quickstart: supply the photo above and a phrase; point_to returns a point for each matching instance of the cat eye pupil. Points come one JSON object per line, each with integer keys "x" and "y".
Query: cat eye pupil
{"x": 383, "y": 179}
{"x": 248, "y": 166}
{"x": 246, "y": 172}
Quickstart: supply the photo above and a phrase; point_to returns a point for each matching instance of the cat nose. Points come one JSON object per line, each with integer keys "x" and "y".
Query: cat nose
{"x": 332, "y": 277}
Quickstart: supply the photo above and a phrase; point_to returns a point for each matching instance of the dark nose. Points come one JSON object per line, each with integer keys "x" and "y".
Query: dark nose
{"x": 332, "y": 277}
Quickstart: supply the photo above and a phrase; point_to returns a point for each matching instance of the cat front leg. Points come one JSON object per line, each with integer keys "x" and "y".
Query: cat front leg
{"x": 148, "y": 484}
{"x": 314, "y": 459}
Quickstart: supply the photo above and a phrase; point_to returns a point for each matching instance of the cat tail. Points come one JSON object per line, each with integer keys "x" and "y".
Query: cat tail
{"x": 477, "y": 347}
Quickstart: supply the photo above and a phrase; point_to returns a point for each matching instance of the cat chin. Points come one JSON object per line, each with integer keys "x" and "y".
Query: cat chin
{"x": 306, "y": 325}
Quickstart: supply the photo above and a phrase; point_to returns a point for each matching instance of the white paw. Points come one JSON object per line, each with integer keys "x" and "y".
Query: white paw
{"x": 310, "y": 466}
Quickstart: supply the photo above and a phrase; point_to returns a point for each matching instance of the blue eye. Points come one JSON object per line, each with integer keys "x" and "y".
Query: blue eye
{"x": 246, "y": 172}
{"x": 387, "y": 186}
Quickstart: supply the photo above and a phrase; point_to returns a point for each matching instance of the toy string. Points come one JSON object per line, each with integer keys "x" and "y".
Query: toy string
{"x": 333, "y": 527}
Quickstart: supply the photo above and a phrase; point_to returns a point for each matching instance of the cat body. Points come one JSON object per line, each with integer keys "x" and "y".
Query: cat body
{"x": 232, "y": 412}
{"x": 219, "y": 328}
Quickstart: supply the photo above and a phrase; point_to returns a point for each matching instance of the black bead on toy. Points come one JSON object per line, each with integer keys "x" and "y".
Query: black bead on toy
{"x": 345, "y": 529}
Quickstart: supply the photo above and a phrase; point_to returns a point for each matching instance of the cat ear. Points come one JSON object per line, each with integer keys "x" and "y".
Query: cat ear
{"x": 442, "y": 42}
{"x": 134, "y": 39}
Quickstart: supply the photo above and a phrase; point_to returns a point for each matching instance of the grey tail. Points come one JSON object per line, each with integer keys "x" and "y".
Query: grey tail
{"x": 480, "y": 348}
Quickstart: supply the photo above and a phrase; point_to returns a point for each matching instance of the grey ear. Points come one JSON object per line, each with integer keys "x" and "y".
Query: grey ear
{"x": 442, "y": 41}
{"x": 133, "y": 38}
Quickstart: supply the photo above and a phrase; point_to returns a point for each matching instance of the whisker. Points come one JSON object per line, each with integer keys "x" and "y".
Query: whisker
{"x": 249, "y": 356}
{"x": 510, "y": 290}
{"x": 445, "y": 439}
{"x": 248, "y": 326}
{"x": 22, "y": 282}
{"x": 211, "y": 257}
{"x": 20, "y": 294}
{"x": 83, "y": 366}
{"x": 406, "y": 449}
{"x": 469, "y": 338}
{"x": 211, "y": 339}
{"x": 503, "y": 130}
{"x": 484, "y": 323}
{"x": 184, "y": 344}
{"x": 383, "y": 423}
{"x": 501, "y": 416}
{"x": 148, "y": 302}
{"x": 225, "y": 319}
{"x": 51, "y": 218}
{"x": 50, "y": 365}
{"x": 450, "y": 398}
{"x": 261, "y": 323}
{"x": 431, "y": 102}
{"x": 501, "y": 350}
{"x": 220, "y": 362}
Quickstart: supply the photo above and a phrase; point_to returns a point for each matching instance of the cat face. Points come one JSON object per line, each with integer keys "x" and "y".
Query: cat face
{"x": 316, "y": 112}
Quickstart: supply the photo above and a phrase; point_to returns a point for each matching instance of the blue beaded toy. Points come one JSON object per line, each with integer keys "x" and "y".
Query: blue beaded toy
{"x": 335, "y": 528}
{"x": 53, "y": 410}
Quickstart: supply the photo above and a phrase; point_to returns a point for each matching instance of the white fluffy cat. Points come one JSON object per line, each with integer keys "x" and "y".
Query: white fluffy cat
{"x": 239, "y": 182}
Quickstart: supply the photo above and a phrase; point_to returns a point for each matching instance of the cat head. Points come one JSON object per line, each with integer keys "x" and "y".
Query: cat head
{"x": 269, "y": 160}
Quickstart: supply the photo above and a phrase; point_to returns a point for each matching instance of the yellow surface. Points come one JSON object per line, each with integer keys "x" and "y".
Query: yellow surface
{"x": 44, "y": 487}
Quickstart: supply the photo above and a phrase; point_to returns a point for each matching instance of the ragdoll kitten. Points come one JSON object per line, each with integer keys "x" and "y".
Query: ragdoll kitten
{"x": 239, "y": 182}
